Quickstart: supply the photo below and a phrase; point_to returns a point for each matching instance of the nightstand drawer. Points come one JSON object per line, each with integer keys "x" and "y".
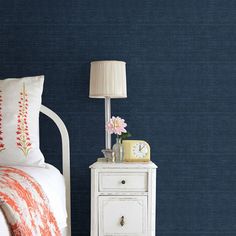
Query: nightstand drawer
{"x": 123, "y": 216}
{"x": 123, "y": 182}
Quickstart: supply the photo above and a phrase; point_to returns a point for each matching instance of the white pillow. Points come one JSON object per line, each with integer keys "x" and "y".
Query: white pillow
{"x": 20, "y": 102}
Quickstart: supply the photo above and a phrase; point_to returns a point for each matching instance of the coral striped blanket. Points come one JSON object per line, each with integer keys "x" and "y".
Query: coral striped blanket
{"x": 25, "y": 205}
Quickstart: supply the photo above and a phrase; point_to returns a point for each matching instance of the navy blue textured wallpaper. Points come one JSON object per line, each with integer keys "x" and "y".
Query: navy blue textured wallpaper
{"x": 181, "y": 70}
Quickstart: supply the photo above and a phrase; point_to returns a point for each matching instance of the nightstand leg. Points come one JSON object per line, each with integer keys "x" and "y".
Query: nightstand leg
{"x": 94, "y": 209}
{"x": 152, "y": 203}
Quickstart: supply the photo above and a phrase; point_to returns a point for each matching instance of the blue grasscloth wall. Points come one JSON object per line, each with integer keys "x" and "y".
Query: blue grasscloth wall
{"x": 181, "y": 70}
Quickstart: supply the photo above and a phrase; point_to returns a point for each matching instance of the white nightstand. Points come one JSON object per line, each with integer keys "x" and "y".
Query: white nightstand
{"x": 123, "y": 199}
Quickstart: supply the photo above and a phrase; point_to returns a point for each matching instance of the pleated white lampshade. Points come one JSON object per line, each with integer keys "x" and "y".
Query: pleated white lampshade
{"x": 108, "y": 79}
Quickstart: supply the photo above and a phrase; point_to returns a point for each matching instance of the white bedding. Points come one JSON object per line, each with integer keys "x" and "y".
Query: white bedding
{"x": 52, "y": 182}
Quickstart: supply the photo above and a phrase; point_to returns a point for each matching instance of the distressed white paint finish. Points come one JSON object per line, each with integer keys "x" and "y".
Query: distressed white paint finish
{"x": 133, "y": 210}
{"x": 123, "y": 189}
{"x": 124, "y": 182}
{"x": 123, "y": 165}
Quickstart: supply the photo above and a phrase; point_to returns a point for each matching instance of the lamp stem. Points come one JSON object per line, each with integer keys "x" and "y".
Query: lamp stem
{"x": 107, "y": 118}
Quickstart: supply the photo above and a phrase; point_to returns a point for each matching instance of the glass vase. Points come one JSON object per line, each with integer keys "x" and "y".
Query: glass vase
{"x": 118, "y": 150}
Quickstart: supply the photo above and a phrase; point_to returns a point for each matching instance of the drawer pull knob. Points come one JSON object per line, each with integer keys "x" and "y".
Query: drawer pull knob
{"x": 123, "y": 181}
{"x": 122, "y": 222}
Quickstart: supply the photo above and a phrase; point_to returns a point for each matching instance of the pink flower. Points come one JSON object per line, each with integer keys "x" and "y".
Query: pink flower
{"x": 116, "y": 125}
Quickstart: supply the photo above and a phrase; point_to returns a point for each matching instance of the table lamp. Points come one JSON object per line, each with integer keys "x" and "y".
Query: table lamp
{"x": 108, "y": 80}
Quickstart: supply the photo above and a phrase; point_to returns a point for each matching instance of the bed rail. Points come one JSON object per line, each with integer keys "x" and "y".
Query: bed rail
{"x": 65, "y": 158}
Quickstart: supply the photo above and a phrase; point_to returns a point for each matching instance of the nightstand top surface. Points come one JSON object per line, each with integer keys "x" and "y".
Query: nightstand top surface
{"x": 123, "y": 165}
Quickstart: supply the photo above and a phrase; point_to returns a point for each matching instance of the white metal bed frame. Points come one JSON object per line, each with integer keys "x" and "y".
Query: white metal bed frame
{"x": 65, "y": 158}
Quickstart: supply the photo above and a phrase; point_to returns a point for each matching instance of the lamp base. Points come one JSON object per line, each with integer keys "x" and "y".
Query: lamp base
{"x": 109, "y": 154}
{"x": 102, "y": 159}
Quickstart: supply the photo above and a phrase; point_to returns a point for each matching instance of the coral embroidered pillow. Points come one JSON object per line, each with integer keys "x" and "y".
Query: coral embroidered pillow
{"x": 20, "y": 102}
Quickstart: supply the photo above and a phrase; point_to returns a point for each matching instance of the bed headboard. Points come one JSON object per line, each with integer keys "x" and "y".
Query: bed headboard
{"x": 65, "y": 158}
